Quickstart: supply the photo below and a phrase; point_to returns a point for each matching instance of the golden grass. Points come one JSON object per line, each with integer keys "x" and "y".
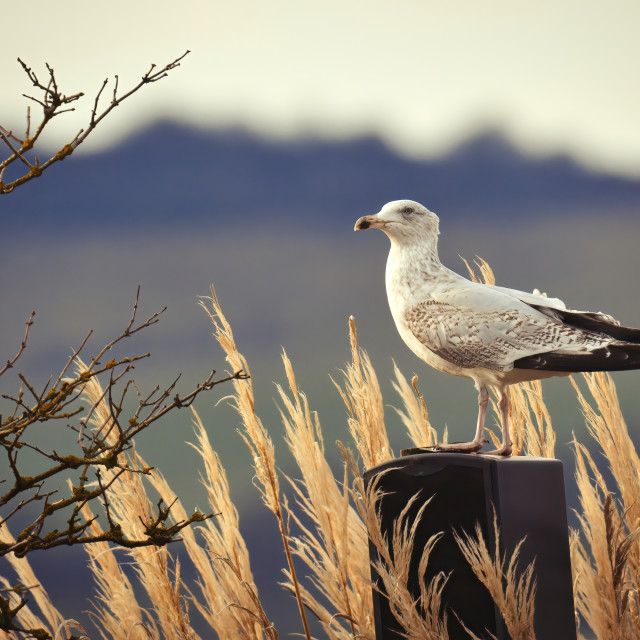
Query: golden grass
{"x": 606, "y": 559}
{"x": 44, "y": 615}
{"x": 529, "y": 421}
{"x": 414, "y": 414}
{"x": 256, "y": 438}
{"x": 363, "y": 398}
{"x": 130, "y": 507}
{"x": 329, "y": 519}
{"x": 485, "y": 272}
{"x": 333, "y": 545}
{"x": 227, "y": 597}
{"x": 117, "y": 613}
{"x": 608, "y": 428}
{"x": 511, "y": 590}
{"x": 422, "y": 616}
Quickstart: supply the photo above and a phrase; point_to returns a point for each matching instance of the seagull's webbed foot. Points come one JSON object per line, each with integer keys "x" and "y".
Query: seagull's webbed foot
{"x": 505, "y": 450}
{"x": 460, "y": 447}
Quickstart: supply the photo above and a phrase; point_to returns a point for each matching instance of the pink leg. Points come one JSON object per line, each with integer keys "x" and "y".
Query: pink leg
{"x": 503, "y": 405}
{"x": 478, "y": 441}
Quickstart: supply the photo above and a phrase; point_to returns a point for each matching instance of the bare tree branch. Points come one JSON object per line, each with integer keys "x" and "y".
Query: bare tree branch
{"x": 53, "y": 103}
{"x": 103, "y": 435}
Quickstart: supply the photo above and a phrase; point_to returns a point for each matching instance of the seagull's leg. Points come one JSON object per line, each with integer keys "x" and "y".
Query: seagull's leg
{"x": 478, "y": 441}
{"x": 503, "y": 405}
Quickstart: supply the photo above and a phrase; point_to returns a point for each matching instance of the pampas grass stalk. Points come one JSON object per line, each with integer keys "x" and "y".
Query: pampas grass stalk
{"x": 530, "y": 422}
{"x": 152, "y": 564}
{"x": 130, "y": 507}
{"x": 229, "y": 599}
{"x": 229, "y": 604}
{"x": 512, "y": 591}
{"x": 256, "y": 438}
{"x": 48, "y": 617}
{"x": 117, "y": 612}
{"x": 485, "y": 273}
{"x": 335, "y": 551}
{"x": 414, "y": 415}
{"x": 363, "y": 398}
{"x": 421, "y": 618}
{"x": 606, "y": 565}
{"x": 604, "y": 594}
{"x": 116, "y": 609}
{"x": 608, "y": 428}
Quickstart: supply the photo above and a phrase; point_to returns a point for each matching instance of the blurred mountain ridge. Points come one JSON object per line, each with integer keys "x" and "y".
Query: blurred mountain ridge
{"x": 173, "y": 173}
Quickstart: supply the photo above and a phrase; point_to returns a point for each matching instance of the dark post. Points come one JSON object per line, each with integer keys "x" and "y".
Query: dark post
{"x": 528, "y": 497}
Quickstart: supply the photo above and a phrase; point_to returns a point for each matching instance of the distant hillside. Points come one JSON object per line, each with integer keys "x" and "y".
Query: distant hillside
{"x": 172, "y": 173}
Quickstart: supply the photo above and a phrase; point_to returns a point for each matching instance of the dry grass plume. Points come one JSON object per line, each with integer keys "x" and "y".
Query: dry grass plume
{"x": 512, "y": 590}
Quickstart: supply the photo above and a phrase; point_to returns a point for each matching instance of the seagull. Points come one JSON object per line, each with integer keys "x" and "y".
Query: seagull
{"x": 494, "y": 335}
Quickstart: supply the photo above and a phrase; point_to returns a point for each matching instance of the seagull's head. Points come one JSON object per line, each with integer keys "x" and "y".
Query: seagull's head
{"x": 405, "y": 221}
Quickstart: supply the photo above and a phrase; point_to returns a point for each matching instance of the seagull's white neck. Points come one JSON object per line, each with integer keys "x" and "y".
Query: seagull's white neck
{"x": 412, "y": 267}
{"x": 418, "y": 258}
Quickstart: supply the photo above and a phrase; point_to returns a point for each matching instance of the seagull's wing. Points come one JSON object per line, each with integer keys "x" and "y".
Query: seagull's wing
{"x": 475, "y": 325}
{"x": 554, "y": 307}
{"x": 534, "y": 298}
{"x": 623, "y": 352}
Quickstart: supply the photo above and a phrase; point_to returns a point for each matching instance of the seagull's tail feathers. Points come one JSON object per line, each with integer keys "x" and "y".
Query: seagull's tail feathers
{"x": 614, "y": 357}
{"x": 595, "y": 322}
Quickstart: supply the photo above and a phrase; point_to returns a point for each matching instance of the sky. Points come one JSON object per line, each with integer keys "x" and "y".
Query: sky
{"x": 423, "y": 75}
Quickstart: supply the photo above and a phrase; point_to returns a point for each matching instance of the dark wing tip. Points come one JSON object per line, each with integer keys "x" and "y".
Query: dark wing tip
{"x": 596, "y": 322}
{"x": 615, "y": 357}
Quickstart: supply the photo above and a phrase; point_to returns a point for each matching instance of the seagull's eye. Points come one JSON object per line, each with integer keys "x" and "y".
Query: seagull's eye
{"x": 407, "y": 210}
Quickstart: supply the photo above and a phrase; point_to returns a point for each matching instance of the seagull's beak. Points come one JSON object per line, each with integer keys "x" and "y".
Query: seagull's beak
{"x": 366, "y": 222}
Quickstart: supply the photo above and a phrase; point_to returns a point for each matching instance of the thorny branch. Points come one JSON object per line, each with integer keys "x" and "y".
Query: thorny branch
{"x": 53, "y": 103}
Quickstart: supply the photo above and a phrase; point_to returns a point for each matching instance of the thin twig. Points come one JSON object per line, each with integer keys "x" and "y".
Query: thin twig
{"x": 53, "y": 103}
{"x": 23, "y": 345}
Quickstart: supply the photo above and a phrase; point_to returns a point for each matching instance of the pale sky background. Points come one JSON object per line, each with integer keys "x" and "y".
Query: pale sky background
{"x": 424, "y": 75}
